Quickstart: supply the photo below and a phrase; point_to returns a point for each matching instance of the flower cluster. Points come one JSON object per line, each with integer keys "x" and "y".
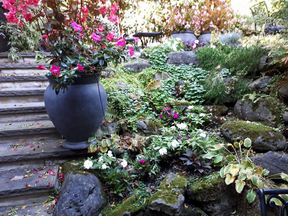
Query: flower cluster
{"x": 167, "y": 113}
{"x": 198, "y": 16}
{"x": 77, "y": 36}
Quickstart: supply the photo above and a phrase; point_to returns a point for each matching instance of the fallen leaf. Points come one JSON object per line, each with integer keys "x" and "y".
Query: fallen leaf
{"x": 23, "y": 207}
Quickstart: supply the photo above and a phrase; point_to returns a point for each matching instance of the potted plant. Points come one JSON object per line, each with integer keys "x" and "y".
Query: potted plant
{"x": 81, "y": 46}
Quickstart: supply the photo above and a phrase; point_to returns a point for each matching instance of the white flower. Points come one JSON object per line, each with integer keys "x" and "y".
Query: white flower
{"x": 110, "y": 154}
{"x": 88, "y": 164}
{"x": 124, "y": 163}
{"x": 202, "y": 115}
{"x": 163, "y": 151}
{"x": 196, "y": 41}
{"x": 203, "y": 134}
{"x": 104, "y": 166}
{"x": 173, "y": 128}
{"x": 100, "y": 159}
{"x": 182, "y": 126}
{"x": 190, "y": 107}
{"x": 174, "y": 144}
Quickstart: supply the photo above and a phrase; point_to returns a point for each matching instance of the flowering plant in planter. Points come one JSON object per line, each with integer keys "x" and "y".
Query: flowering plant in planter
{"x": 75, "y": 33}
{"x": 198, "y": 16}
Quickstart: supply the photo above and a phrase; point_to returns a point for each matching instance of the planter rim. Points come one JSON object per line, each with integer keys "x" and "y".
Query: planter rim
{"x": 205, "y": 32}
{"x": 85, "y": 78}
{"x": 185, "y": 31}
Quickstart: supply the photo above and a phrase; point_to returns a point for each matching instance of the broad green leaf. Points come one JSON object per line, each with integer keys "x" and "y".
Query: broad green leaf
{"x": 260, "y": 183}
{"x": 210, "y": 155}
{"x": 247, "y": 142}
{"x": 236, "y": 144}
{"x": 249, "y": 173}
{"x": 254, "y": 179}
{"x": 239, "y": 186}
{"x": 234, "y": 169}
{"x": 277, "y": 201}
{"x": 222, "y": 175}
{"x": 266, "y": 172}
{"x": 218, "y": 158}
{"x": 230, "y": 158}
{"x": 218, "y": 147}
{"x": 241, "y": 176}
{"x": 284, "y": 176}
{"x": 229, "y": 179}
{"x": 227, "y": 169}
{"x": 251, "y": 195}
{"x": 92, "y": 148}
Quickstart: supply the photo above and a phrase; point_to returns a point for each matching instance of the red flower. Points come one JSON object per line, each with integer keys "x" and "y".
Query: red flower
{"x": 49, "y": 184}
{"x": 79, "y": 67}
{"x": 103, "y": 10}
{"x": 110, "y": 36}
{"x": 85, "y": 10}
{"x": 55, "y": 70}
{"x": 101, "y": 28}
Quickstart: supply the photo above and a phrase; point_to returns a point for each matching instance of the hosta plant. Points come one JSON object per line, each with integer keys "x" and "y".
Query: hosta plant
{"x": 237, "y": 167}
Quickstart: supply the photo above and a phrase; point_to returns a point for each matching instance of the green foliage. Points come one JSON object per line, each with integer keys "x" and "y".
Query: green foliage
{"x": 237, "y": 167}
{"x": 231, "y": 39}
{"x": 239, "y": 60}
{"x": 26, "y": 39}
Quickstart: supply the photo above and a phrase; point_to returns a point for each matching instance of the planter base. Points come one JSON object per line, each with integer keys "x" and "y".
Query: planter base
{"x": 77, "y": 145}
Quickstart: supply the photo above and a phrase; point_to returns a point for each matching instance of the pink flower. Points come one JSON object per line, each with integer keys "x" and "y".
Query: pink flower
{"x": 55, "y": 70}
{"x": 114, "y": 8}
{"x": 79, "y": 67}
{"x": 85, "y": 11}
{"x": 41, "y": 67}
{"x": 110, "y": 36}
{"x": 76, "y": 26}
{"x": 28, "y": 16}
{"x": 101, "y": 28}
{"x": 103, "y": 10}
{"x": 121, "y": 42}
{"x": 95, "y": 37}
{"x": 136, "y": 39}
{"x": 131, "y": 51}
{"x": 44, "y": 37}
{"x": 179, "y": 138}
{"x": 142, "y": 161}
{"x": 160, "y": 117}
{"x": 114, "y": 18}
{"x": 176, "y": 115}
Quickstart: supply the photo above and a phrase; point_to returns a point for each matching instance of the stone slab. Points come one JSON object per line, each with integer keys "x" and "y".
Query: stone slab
{"x": 21, "y": 65}
{"x": 26, "y": 128}
{"x": 22, "y": 99}
{"x": 23, "y": 78}
{"x": 15, "y": 108}
{"x": 27, "y": 210}
{"x": 36, "y": 150}
{"x": 23, "y": 117}
{"x": 28, "y": 180}
{"x": 21, "y": 92}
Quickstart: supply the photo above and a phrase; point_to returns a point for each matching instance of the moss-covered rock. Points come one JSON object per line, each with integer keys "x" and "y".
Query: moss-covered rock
{"x": 266, "y": 110}
{"x": 130, "y": 205}
{"x": 213, "y": 195}
{"x": 76, "y": 167}
{"x": 263, "y": 138}
{"x": 169, "y": 198}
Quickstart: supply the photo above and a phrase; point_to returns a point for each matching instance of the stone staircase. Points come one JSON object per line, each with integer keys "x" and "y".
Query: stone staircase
{"x": 30, "y": 146}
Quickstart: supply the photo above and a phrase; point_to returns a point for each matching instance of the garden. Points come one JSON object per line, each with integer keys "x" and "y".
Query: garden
{"x": 190, "y": 126}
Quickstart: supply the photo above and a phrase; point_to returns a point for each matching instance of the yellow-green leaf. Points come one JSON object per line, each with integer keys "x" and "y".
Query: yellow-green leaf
{"x": 239, "y": 186}
{"x": 284, "y": 176}
{"x": 247, "y": 142}
{"x": 234, "y": 169}
{"x": 236, "y": 144}
{"x": 222, "y": 175}
{"x": 260, "y": 183}
{"x": 277, "y": 201}
{"x": 92, "y": 148}
{"x": 229, "y": 179}
{"x": 251, "y": 195}
{"x": 227, "y": 169}
{"x": 254, "y": 179}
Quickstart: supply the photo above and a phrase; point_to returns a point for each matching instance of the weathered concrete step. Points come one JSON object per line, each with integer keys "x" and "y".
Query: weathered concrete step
{"x": 37, "y": 150}
{"x": 25, "y": 57}
{"x": 22, "y": 95}
{"x": 26, "y": 128}
{"x": 16, "y": 82}
{"x": 25, "y": 181}
{"x": 16, "y": 108}
{"x": 21, "y": 117}
{"x": 28, "y": 210}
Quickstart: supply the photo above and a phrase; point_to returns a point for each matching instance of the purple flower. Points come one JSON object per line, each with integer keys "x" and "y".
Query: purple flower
{"x": 176, "y": 115}
{"x": 142, "y": 161}
{"x": 76, "y": 26}
{"x": 95, "y": 37}
{"x": 179, "y": 138}
{"x": 160, "y": 117}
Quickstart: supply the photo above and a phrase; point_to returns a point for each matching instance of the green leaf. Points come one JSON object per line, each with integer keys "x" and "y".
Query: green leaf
{"x": 251, "y": 195}
{"x": 234, "y": 169}
{"x": 92, "y": 148}
{"x": 227, "y": 169}
{"x": 260, "y": 183}
{"x": 236, "y": 144}
{"x": 218, "y": 158}
{"x": 222, "y": 175}
{"x": 247, "y": 142}
{"x": 284, "y": 176}
{"x": 209, "y": 155}
{"x": 254, "y": 179}
{"x": 277, "y": 201}
{"x": 239, "y": 186}
{"x": 266, "y": 172}
{"x": 230, "y": 158}
{"x": 229, "y": 179}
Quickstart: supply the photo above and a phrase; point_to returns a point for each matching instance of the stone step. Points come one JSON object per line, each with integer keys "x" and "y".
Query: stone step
{"x": 46, "y": 151}
{"x": 19, "y": 131}
{"x": 26, "y": 57}
{"x": 16, "y": 82}
{"x": 13, "y": 112}
{"x": 28, "y": 210}
{"x": 21, "y": 69}
{"x": 22, "y": 95}
{"x": 30, "y": 182}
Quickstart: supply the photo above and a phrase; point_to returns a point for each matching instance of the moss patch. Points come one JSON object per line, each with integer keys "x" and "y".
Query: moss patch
{"x": 153, "y": 125}
{"x": 251, "y": 130}
{"x": 169, "y": 190}
{"x": 75, "y": 167}
{"x": 129, "y": 205}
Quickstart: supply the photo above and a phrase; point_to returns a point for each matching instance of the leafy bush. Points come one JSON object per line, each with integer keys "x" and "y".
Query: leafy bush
{"x": 231, "y": 39}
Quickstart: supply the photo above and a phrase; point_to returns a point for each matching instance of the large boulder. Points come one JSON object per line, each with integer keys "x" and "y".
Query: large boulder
{"x": 184, "y": 57}
{"x": 137, "y": 67}
{"x": 169, "y": 199}
{"x": 272, "y": 161}
{"x": 263, "y": 138}
{"x": 80, "y": 195}
{"x": 260, "y": 84}
{"x": 148, "y": 127}
{"x": 264, "y": 110}
{"x": 283, "y": 91}
{"x": 213, "y": 195}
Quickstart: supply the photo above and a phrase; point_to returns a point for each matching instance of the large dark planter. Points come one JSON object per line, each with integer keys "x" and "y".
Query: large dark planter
{"x": 4, "y": 40}
{"x": 205, "y": 37}
{"x": 77, "y": 112}
{"x": 185, "y": 36}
